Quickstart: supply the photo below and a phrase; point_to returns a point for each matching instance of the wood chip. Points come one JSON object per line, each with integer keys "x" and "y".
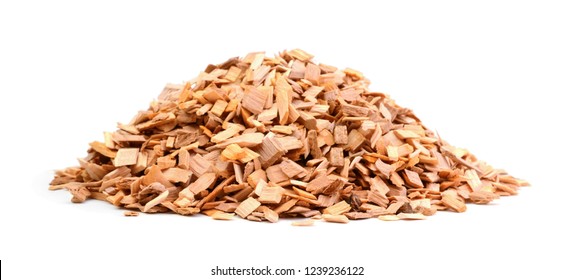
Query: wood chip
{"x": 131, "y": 213}
{"x": 303, "y": 223}
{"x": 246, "y": 207}
{"x": 335, "y": 218}
{"x": 126, "y": 156}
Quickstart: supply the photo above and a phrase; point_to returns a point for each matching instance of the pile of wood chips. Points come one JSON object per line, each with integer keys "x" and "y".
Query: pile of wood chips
{"x": 268, "y": 137}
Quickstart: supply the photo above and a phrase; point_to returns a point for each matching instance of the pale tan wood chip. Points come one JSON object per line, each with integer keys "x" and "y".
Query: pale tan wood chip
{"x": 270, "y": 215}
{"x": 406, "y": 134}
{"x": 270, "y": 150}
{"x": 389, "y": 218}
{"x": 337, "y": 209}
{"x": 219, "y": 215}
{"x": 254, "y": 100}
{"x": 271, "y": 195}
{"x": 284, "y": 207}
{"x": 336, "y": 157}
{"x": 411, "y": 216}
{"x": 393, "y": 153}
{"x": 303, "y": 223}
{"x": 283, "y": 93}
{"x": 355, "y": 111}
{"x": 246, "y": 207}
{"x": 229, "y": 132}
{"x": 177, "y": 175}
{"x": 159, "y": 199}
{"x": 204, "y": 182}
{"x": 233, "y": 152}
{"x": 290, "y": 143}
{"x": 300, "y": 55}
{"x": 413, "y": 179}
{"x": 102, "y": 149}
{"x": 232, "y": 74}
{"x": 473, "y": 180}
{"x": 335, "y": 218}
{"x": 131, "y": 214}
{"x": 199, "y": 165}
{"x": 314, "y": 149}
{"x": 304, "y": 193}
{"x": 256, "y": 176}
{"x": 355, "y": 140}
{"x": 292, "y": 169}
{"x": 482, "y": 197}
{"x": 275, "y": 174}
{"x": 243, "y": 140}
{"x": 340, "y": 135}
{"x": 284, "y": 129}
{"x": 451, "y": 200}
{"x": 126, "y": 156}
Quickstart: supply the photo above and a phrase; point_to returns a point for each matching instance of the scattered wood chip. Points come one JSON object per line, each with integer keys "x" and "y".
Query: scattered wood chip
{"x": 303, "y": 223}
{"x": 335, "y": 218}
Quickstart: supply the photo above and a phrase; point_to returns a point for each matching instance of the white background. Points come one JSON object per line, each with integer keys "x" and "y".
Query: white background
{"x": 495, "y": 77}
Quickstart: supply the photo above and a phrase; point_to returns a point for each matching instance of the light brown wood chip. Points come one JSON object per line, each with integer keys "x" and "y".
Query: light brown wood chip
{"x": 246, "y": 207}
{"x": 131, "y": 213}
{"x": 335, "y": 218}
{"x": 303, "y": 223}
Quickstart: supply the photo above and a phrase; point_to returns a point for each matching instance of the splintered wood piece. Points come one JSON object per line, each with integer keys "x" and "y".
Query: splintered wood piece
{"x": 473, "y": 180}
{"x": 336, "y": 157}
{"x": 314, "y": 149}
{"x": 247, "y": 207}
{"x": 337, "y": 209}
{"x": 412, "y": 179}
{"x": 177, "y": 175}
{"x": 270, "y": 150}
{"x": 233, "y": 152}
{"x": 406, "y": 134}
{"x": 355, "y": 140}
{"x": 254, "y": 100}
{"x": 411, "y": 216}
{"x": 283, "y": 95}
{"x": 159, "y": 199}
{"x": 300, "y": 55}
{"x": 219, "y": 215}
{"x": 270, "y": 215}
{"x": 271, "y": 195}
{"x": 202, "y": 183}
{"x": 102, "y": 149}
{"x": 355, "y": 111}
{"x": 303, "y": 223}
{"x": 292, "y": 169}
{"x": 389, "y": 218}
{"x": 243, "y": 140}
{"x": 333, "y": 218}
{"x": 451, "y": 200}
{"x": 482, "y": 197}
{"x": 229, "y": 132}
{"x": 275, "y": 174}
{"x": 340, "y": 135}
{"x": 318, "y": 184}
{"x": 126, "y": 156}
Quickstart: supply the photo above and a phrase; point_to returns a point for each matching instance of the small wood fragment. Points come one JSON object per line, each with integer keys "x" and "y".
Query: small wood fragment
{"x": 335, "y": 218}
{"x": 303, "y": 223}
{"x": 246, "y": 207}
